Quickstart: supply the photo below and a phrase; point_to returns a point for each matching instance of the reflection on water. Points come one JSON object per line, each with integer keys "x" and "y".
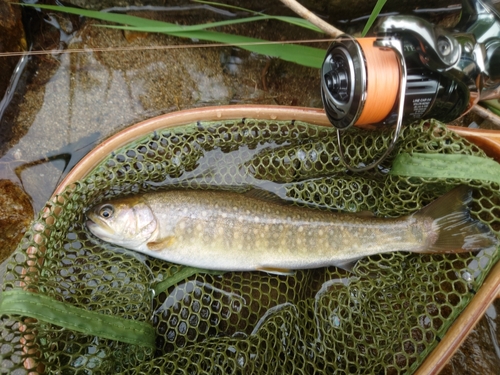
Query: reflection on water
{"x": 73, "y": 101}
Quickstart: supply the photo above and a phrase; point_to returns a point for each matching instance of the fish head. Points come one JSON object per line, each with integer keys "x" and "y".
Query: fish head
{"x": 127, "y": 222}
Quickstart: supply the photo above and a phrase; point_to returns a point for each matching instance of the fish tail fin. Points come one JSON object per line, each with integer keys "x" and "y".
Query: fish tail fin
{"x": 452, "y": 229}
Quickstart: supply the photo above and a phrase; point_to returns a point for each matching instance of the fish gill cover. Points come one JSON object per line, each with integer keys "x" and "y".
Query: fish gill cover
{"x": 73, "y": 304}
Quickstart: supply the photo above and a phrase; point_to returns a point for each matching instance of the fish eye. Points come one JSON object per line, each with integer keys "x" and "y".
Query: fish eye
{"x": 106, "y": 211}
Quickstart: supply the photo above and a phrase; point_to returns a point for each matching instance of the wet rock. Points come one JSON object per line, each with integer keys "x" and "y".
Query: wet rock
{"x": 12, "y": 39}
{"x": 480, "y": 352}
{"x": 15, "y": 215}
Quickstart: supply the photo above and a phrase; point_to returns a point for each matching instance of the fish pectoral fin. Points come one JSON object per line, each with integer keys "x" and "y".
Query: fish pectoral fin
{"x": 277, "y": 271}
{"x": 162, "y": 243}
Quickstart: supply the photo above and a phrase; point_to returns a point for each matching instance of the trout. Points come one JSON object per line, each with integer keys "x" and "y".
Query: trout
{"x": 228, "y": 231}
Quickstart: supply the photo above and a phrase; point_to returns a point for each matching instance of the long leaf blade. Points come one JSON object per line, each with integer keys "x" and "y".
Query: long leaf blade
{"x": 303, "y": 55}
{"x": 103, "y": 16}
{"x": 169, "y": 28}
{"x": 292, "y": 20}
{"x": 375, "y": 12}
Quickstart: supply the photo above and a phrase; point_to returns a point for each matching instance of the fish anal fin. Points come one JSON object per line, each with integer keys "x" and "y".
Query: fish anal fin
{"x": 162, "y": 243}
{"x": 277, "y": 271}
{"x": 347, "y": 265}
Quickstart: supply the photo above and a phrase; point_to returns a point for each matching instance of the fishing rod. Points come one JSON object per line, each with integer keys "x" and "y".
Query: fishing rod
{"x": 411, "y": 70}
{"x": 164, "y": 47}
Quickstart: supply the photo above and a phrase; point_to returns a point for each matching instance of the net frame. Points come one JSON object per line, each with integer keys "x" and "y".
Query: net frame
{"x": 489, "y": 141}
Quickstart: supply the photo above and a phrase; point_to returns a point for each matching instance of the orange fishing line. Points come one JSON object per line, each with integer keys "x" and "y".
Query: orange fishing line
{"x": 382, "y": 81}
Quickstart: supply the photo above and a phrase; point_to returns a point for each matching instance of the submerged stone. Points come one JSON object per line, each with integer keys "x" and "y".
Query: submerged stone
{"x": 15, "y": 215}
{"x": 12, "y": 39}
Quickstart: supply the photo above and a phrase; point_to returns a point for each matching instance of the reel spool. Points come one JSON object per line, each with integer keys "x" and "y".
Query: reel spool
{"x": 360, "y": 85}
{"x": 360, "y": 82}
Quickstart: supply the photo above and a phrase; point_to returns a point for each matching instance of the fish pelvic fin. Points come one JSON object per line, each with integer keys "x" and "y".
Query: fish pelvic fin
{"x": 162, "y": 243}
{"x": 451, "y": 228}
{"x": 277, "y": 271}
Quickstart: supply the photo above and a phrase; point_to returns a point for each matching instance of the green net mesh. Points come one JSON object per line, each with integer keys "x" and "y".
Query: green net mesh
{"x": 84, "y": 307}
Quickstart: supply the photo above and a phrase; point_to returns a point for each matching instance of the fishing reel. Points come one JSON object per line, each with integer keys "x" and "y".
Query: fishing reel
{"x": 411, "y": 70}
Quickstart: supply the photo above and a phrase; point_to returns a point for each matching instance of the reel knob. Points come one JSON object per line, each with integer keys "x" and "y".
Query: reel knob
{"x": 343, "y": 84}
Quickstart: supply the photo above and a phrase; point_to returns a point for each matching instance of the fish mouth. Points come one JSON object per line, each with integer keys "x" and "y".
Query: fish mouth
{"x": 90, "y": 224}
{"x": 98, "y": 227}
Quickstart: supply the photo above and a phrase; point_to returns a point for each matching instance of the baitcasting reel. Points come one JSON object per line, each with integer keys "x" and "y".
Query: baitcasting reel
{"x": 412, "y": 70}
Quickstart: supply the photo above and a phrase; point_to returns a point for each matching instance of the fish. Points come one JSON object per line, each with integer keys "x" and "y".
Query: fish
{"x": 255, "y": 231}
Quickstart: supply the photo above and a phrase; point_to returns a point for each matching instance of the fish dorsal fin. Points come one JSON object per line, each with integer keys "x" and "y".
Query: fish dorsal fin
{"x": 264, "y": 195}
{"x": 365, "y": 214}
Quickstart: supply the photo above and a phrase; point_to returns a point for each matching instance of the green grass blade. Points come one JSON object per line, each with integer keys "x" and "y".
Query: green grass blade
{"x": 308, "y": 56}
{"x": 493, "y": 105}
{"x": 225, "y": 6}
{"x": 170, "y": 28}
{"x": 103, "y": 16}
{"x": 292, "y": 20}
{"x": 297, "y": 21}
{"x": 375, "y": 12}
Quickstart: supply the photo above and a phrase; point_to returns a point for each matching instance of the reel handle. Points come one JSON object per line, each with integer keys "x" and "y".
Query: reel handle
{"x": 441, "y": 74}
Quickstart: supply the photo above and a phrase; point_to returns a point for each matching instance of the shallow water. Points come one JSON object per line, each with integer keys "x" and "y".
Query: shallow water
{"x": 65, "y": 104}
{"x": 72, "y": 101}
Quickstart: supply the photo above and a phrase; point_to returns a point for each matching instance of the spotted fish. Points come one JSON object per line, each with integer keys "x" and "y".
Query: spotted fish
{"x": 229, "y": 231}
